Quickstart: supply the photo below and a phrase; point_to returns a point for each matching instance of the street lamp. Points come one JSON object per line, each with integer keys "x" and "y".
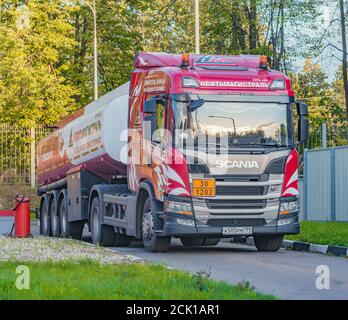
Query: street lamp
{"x": 229, "y": 118}
{"x": 94, "y": 11}
{"x": 197, "y": 45}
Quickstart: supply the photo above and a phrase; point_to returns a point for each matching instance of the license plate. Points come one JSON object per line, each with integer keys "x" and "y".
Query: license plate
{"x": 236, "y": 231}
{"x": 203, "y": 188}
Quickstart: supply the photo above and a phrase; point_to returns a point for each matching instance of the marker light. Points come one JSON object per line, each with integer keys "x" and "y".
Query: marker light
{"x": 278, "y": 84}
{"x": 185, "y": 60}
{"x": 263, "y": 62}
{"x": 188, "y": 82}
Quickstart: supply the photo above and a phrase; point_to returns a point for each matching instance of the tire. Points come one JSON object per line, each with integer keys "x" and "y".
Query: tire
{"x": 68, "y": 229}
{"x": 211, "y": 241}
{"x": 192, "y": 242}
{"x": 121, "y": 240}
{"x": 45, "y": 223}
{"x": 63, "y": 216}
{"x": 152, "y": 242}
{"x": 101, "y": 234}
{"x": 53, "y": 210}
{"x": 271, "y": 243}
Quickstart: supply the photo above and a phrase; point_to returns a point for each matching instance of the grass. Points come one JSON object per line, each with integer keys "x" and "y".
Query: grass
{"x": 90, "y": 280}
{"x": 327, "y": 233}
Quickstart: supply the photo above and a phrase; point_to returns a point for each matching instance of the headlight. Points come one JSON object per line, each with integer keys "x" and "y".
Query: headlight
{"x": 288, "y": 207}
{"x": 188, "y": 82}
{"x": 278, "y": 84}
{"x": 178, "y": 207}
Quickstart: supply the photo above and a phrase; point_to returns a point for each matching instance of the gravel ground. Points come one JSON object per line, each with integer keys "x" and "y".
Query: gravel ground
{"x": 55, "y": 249}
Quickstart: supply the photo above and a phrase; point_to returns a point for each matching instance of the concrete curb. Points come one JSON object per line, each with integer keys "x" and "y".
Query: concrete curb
{"x": 309, "y": 247}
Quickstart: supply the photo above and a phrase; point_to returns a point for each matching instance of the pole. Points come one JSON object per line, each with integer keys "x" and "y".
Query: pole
{"x": 95, "y": 52}
{"x": 32, "y": 157}
{"x": 324, "y": 135}
{"x": 197, "y": 44}
{"x": 344, "y": 49}
{"x": 95, "y": 45}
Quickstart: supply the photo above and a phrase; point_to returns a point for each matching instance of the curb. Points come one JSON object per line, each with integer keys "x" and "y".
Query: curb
{"x": 316, "y": 248}
{"x": 309, "y": 247}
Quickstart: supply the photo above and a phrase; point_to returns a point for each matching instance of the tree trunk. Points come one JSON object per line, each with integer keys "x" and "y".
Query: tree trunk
{"x": 344, "y": 44}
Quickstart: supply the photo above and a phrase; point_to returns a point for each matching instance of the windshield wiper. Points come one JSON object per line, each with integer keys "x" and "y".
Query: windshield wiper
{"x": 275, "y": 145}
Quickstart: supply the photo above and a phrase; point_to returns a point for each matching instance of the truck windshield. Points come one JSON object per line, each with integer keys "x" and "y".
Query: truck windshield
{"x": 232, "y": 124}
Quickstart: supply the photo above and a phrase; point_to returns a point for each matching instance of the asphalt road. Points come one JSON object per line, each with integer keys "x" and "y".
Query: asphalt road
{"x": 286, "y": 274}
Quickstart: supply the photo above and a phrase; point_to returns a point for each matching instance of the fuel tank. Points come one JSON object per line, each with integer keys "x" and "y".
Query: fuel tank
{"x": 95, "y": 137}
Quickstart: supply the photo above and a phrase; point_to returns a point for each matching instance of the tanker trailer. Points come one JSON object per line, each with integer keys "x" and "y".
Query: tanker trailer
{"x": 86, "y": 149}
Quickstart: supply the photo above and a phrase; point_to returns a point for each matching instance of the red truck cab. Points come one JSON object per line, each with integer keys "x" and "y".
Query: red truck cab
{"x": 210, "y": 153}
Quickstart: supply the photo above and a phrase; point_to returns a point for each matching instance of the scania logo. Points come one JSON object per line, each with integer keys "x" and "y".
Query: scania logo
{"x": 237, "y": 164}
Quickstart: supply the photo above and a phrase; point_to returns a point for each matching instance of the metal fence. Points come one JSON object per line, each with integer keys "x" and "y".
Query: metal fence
{"x": 18, "y": 153}
{"x": 325, "y": 184}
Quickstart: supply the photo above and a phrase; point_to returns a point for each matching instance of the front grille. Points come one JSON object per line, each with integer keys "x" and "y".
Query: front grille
{"x": 236, "y": 222}
{"x": 241, "y": 190}
{"x": 241, "y": 178}
{"x": 236, "y": 204}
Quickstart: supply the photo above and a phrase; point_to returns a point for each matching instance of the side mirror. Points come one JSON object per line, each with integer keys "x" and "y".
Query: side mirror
{"x": 302, "y": 109}
{"x": 303, "y": 123}
{"x": 303, "y": 130}
{"x": 150, "y": 106}
{"x": 195, "y": 104}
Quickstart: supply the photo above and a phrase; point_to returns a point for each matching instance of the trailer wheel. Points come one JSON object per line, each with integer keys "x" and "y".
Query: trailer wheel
{"x": 191, "y": 242}
{"x": 121, "y": 240}
{"x": 152, "y": 242}
{"x": 268, "y": 242}
{"x": 101, "y": 234}
{"x": 55, "y": 224}
{"x": 63, "y": 216}
{"x": 68, "y": 229}
{"x": 45, "y": 223}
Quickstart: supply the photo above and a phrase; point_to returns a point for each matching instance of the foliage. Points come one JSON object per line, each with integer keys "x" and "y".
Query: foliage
{"x": 31, "y": 83}
{"x": 46, "y": 47}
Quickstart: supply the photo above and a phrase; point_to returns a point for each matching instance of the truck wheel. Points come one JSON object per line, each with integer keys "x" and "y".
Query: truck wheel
{"x": 63, "y": 217}
{"x": 211, "y": 241}
{"x": 68, "y": 229}
{"x": 101, "y": 234}
{"x": 152, "y": 242}
{"x": 55, "y": 224}
{"x": 268, "y": 242}
{"x": 121, "y": 240}
{"x": 192, "y": 242}
{"x": 45, "y": 219}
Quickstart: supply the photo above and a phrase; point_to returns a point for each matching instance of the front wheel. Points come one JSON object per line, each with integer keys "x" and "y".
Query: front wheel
{"x": 152, "y": 242}
{"x": 269, "y": 243}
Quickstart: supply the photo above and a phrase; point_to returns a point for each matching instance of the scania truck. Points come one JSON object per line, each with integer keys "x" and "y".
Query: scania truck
{"x": 196, "y": 147}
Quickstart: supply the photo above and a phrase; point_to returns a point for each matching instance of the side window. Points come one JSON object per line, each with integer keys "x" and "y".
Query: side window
{"x": 160, "y": 123}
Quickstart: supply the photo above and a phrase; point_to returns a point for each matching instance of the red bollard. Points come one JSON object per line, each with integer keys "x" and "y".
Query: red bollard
{"x": 22, "y": 217}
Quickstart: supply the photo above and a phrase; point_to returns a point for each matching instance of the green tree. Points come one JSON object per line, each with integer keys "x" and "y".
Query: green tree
{"x": 34, "y": 36}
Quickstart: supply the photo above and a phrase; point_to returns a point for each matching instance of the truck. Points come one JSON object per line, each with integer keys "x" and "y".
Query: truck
{"x": 195, "y": 147}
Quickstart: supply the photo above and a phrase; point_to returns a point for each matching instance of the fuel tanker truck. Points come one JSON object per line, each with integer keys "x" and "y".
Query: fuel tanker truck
{"x": 196, "y": 147}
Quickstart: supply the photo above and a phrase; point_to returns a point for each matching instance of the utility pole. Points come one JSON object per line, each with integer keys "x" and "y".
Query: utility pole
{"x": 95, "y": 49}
{"x": 197, "y": 45}
{"x": 344, "y": 49}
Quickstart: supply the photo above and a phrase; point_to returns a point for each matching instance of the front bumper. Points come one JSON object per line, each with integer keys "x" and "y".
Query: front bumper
{"x": 172, "y": 227}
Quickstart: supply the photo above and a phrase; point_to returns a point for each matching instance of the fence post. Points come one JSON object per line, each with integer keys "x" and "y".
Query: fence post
{"x": 333, "y": 184}
{"x": 324, "y": 135}
{"x": 305, "y": 185}
{"x": 32, "y": 157}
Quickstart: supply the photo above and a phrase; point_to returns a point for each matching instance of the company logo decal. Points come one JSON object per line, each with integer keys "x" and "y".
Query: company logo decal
{"x": 237, "y": 164}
